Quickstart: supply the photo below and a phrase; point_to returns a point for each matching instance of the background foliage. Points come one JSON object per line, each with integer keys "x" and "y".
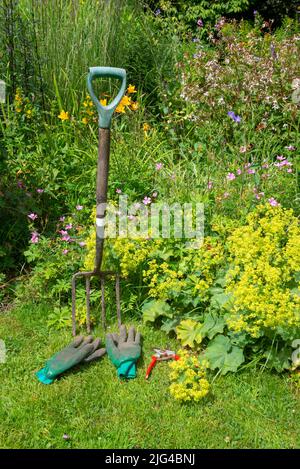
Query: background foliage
{"x": 214, "y": 120}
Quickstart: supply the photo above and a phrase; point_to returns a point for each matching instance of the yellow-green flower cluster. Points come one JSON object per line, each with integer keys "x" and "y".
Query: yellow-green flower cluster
{"x": 265, "y": 256}
{"x": 195, "y": 271}
{"x": 23, "y": 105}
{"x": 162, "y": 278}
{"x": 131, "y": 253}
{"x": 203, "y": 265}
{"x": 188, "y": 376}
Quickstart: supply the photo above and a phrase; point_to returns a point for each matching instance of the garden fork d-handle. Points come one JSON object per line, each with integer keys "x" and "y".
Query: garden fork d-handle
{"x": 105, "y": 115}
{"x": 106, "y": 112}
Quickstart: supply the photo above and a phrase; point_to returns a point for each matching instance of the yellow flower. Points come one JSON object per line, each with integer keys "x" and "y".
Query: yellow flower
{"x": 84, "y": 120}
{"x": 103, "y": 102}
{"x": 131, "y": 89}
{"x": 18, "y": 96}
{"x": 18, "y": 109}
{"x": 126, "y": 101}
{"x": 134, "y": 106}
{"x": 146, "y": 127}
{"x": 29, "y": 113}
{"x": 64, "y": 116}
{"x": 120, "y": 108}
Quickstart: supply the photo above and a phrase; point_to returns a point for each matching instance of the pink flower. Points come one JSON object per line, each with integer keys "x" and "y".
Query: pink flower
{"x": 259, "y": 195}
{"x": 66, "y": 238}
{"x": 158, "y": 166}
{"x": 247, "y": 165}
{"x": 63, "y": 232}
{"x": 280, "y": 158}
{"x": 118, "y": 191}
{"x": 62, "y": 218}
{"x": 154, "y": 195}
{"x": 69, "y": 226}
{"x": 289, "y": 170}
{"x": 210, "y": 185}
{"x": 34, "y": 237}
{"x": 290, "y": 148}
{"x": 65, "y": 251}
{"x": 273, "y": 202}
{"x": 82, "y": 243}
{"x": 79, "y": 207}
{"x": 32, "y": 216}
{"x": 251, "y": 171}
{"x": 243, "y": 149}
{"x": 283, "y": 162}
{"x": 226, "y": 195}
{"x": 239, "y": 172}
{"x": 265, "y": 165}
{"x": 21, "y": 185}
{"x": 146, "y": 200}
{"x": 230, "y": 176}
{"x": 40, "y": 191}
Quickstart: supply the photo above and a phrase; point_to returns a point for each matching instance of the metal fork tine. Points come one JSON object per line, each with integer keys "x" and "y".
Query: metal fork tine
{"x": 103, "y": 312}
{"x": 118, "y": 299}
{"x": 88, "y": 314}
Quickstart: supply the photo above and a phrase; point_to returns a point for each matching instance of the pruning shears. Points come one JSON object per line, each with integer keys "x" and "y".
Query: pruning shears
{"x": 160, "y": 355}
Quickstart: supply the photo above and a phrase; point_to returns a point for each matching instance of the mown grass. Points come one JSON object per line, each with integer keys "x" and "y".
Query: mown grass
{"x": 245, "y": 410}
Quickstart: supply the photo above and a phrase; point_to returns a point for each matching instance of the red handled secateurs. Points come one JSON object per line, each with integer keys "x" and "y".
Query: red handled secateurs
{"x": 160, "y": 355}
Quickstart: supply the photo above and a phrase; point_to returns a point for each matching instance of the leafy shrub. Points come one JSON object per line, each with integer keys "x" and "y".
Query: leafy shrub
{"x": 232, "y": 294}
{"x": 264, "y": 275}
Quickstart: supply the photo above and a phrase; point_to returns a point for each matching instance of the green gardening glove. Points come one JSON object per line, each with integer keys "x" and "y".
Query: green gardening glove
{"x": 124, "y": 351}
{"x": 80, "y": 350}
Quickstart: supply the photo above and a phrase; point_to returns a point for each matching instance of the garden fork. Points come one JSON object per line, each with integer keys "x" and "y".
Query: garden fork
{"x": 105, "y": 115}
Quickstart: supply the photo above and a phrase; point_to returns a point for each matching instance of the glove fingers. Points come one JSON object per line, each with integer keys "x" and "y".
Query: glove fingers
{"x": 137, "y": 338}
{"x": 131, "y": 334}
{"x": 96, "y": 344}
{"x": 77, "y": 341}
{"x": 66, "y": 350}
{"x": 89, "y": 339}
{"x": 116, "y": 338}
{"x": 65, "y": 362}
{"x": 123, "y": 334}
{"x": 95, "y": 355}
{"x": 111, "y": 348}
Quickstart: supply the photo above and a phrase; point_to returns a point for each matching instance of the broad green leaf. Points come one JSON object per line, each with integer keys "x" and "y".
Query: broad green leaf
{"x": 280, "y": 360}
{"x": 219, "y": 298}
{"x": 189, "y": 332}
{"x": 165, "y": 255}
{"x": 213, "y": 325}
{"x": 241, "y": 339}
{"x": 154, "y": 309}
{"x": 297, "y": 276}
{"x": 221, "y": 354}
{"x": 169, "y": 325}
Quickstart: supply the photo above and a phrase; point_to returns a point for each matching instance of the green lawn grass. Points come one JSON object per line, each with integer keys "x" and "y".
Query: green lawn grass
{"x": 249, "y": 409}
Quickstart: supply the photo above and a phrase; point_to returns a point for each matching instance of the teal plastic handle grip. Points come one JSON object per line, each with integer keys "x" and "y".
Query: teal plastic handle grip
{"x": 106, "y": 112}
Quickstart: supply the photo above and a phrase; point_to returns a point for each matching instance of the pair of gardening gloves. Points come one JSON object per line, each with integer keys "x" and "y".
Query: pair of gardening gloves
{"x": 123, "y": 350}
